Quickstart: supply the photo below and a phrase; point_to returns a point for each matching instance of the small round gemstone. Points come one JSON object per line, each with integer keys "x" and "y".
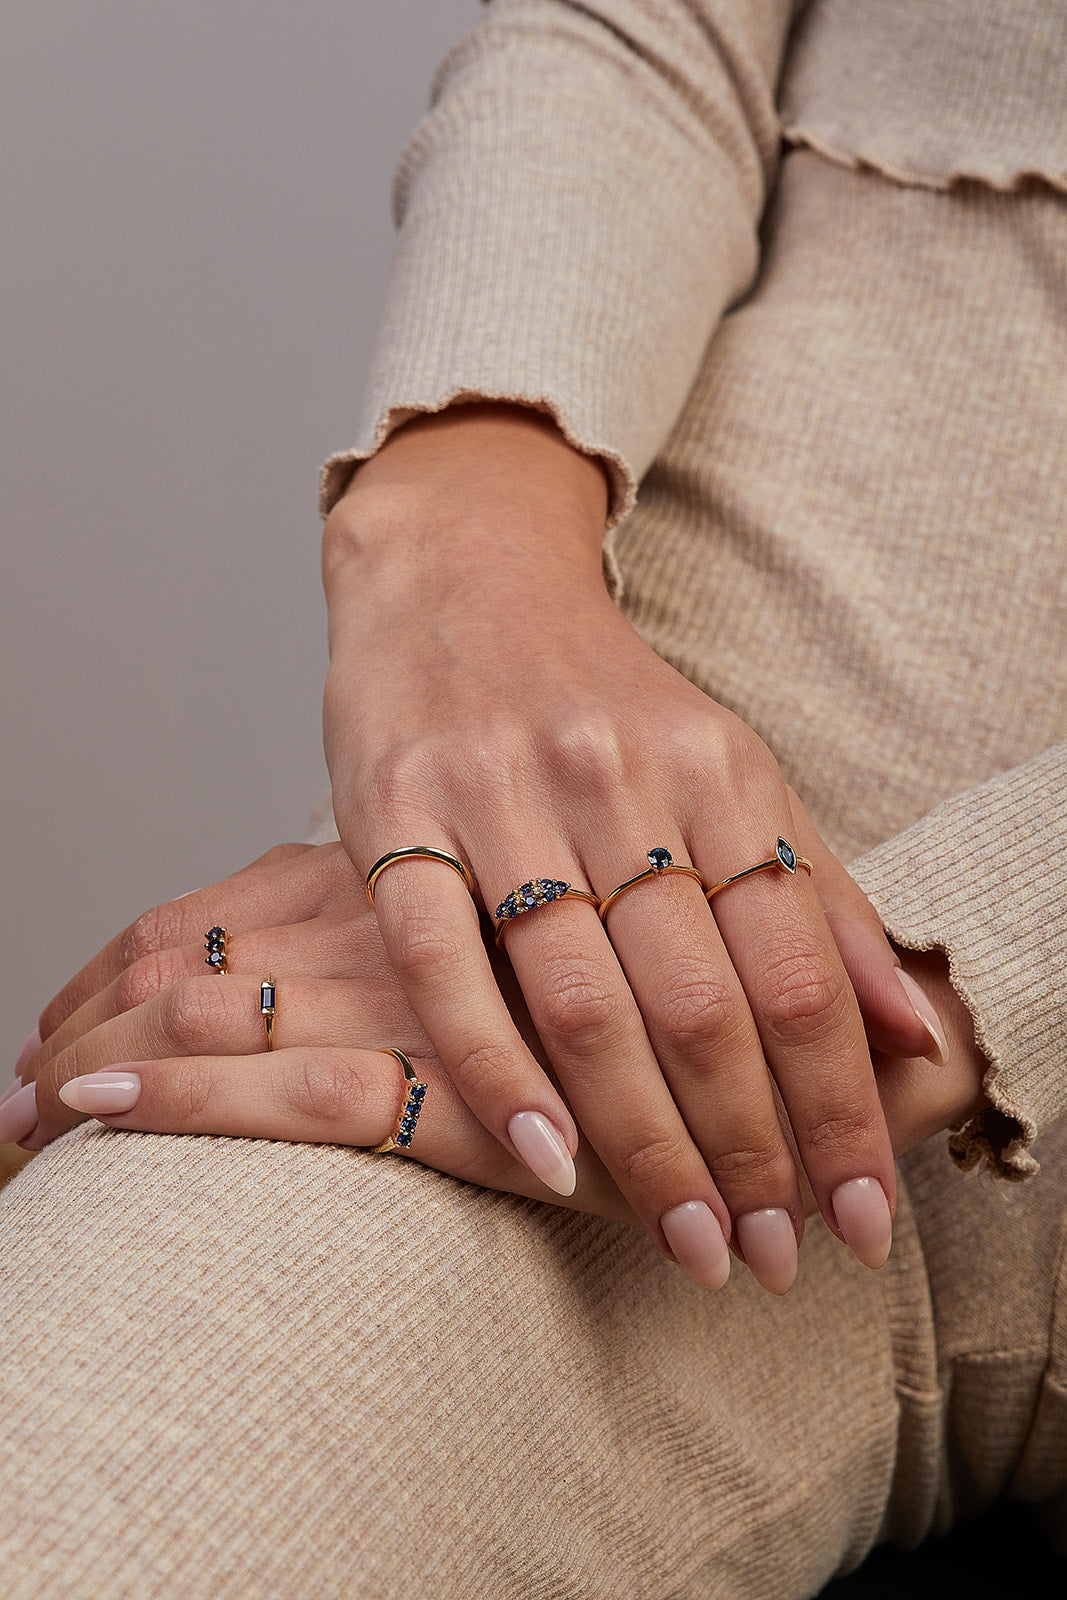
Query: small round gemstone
{"x": 216, "y": 935}
{"x": 215, "y": 959}
{"x": 659, "y": 858}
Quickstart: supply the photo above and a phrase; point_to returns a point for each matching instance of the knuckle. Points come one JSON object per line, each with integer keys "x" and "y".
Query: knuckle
{"x": 153, "y": 930}
{"x": 698, "y": 1009}
{"x": 840, "y": 1133}
{"x": 193, "y": 1013}
{"x": 803, "y": 998}
{"x": 324, "y": 1088}
{"x": 589, "y": 747}
{"x": 478, "y": 1070}
{"x": 751, "y": 1168}
{"x": 192, "y": 1090}
{"x": 147, "y": 977}
{"x": 423, "y": 951}
{"x": 651, "y": 1165}
{"x": 579, "y": 1011}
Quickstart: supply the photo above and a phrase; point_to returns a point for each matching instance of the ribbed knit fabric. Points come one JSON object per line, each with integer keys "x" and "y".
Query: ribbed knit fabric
{"x": 238, "y": 1370}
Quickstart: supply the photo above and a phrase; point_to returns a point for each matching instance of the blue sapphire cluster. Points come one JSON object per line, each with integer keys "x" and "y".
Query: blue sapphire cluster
{"x": 410, "y": 1114}
{"x": 538, "y": 892}
{"x": 787, "y": 855}
{"x": 215, "y": 944}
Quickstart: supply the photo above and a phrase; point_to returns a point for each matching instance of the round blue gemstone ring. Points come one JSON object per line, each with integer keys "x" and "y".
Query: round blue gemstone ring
{"x": 660, "y": 863}
{"x": 784, "y": 856}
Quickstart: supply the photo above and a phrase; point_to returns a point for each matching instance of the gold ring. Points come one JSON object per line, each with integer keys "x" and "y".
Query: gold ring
{"x": 784, "y": 856}
{"x": 427, "y": 851}
{"x": 528, "y": 896}
{"x": 266, "y": 1006}
{"x": 660, "y": 864}
{"x": 215, "y": 945}
{"x": 402, "y": 1134}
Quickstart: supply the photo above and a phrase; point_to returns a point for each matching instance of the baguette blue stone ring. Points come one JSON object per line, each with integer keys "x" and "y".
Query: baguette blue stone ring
{"x": 538, "y": 892}
{"x": 784, "y": 856}
{"x": 401, "y": 1137}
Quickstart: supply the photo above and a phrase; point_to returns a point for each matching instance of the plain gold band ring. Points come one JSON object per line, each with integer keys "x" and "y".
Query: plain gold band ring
{"x": 426, "y": 852}
{"x": 415, "y": 1094}
{"x": 784, "y": 856}
{"x": 660, "y": 865}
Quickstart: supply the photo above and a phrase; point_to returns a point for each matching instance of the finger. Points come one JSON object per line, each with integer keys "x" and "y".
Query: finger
{"x": 707, "y": 1045}
{"x": 288, "y": 884}
{"x": 335, "y": 1096}
{"x": 429, "y": 927}
{"x": 322, "y": 948}
{"x": 203, "y": 1015}
{"x": 588, "y": 1021}
{"x": 812, "y": 1033}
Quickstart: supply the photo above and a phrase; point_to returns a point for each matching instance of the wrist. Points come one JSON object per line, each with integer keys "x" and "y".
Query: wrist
{"x": 474, "y": 489}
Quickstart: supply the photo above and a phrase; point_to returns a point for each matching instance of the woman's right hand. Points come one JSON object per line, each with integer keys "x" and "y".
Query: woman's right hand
{"x": 487, "y": 698}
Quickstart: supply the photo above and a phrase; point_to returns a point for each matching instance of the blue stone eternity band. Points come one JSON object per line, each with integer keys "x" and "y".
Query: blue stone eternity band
{"x": 402, "y": 1134}
{"x": 784, "y": 856}
{"x": 528, "y": 896}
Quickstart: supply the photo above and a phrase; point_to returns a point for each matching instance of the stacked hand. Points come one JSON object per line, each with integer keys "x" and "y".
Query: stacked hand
{"x": 486, "y": 698}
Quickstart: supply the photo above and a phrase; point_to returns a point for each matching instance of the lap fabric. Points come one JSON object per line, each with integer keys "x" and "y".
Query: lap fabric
{"x": 241, "y": 1368}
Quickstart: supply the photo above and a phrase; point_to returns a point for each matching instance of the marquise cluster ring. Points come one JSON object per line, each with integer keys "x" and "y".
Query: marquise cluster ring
{"x": 529, "y": 896}
{"x": 425, "y": 852}
{"x": 660, "y": 864}
{"x": 784, "y": 856}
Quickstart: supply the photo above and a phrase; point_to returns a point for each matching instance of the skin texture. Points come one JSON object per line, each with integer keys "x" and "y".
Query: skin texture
{"x": 148, "y": 1007}
{"x": 486, "y": 696}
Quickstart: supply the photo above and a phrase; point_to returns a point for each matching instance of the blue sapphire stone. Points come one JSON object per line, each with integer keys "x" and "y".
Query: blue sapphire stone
{"x": 403, "y": 1139}
{"x": 659, "y": 858}
{"x": 787, "y": 856}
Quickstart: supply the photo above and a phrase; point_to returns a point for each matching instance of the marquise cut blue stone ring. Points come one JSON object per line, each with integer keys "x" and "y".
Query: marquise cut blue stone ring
{"x": 784, "y": 856}
{"x": 538, "y": 892}
{"x": 415, "y": 1094}
{"x": 660, "y": 863}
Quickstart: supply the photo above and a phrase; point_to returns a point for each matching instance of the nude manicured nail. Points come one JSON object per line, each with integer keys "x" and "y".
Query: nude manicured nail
{"x": 18, "y": 1115}
{"x": 862, "y": 1213}
{"x": 30, "y": 1048}
{"x": 927, "y": 1016}
{"x": 769, "y": 1244}
{"x": 542, "y": 1148}
{"x": 102, "y": 1094}
{"x": 11, "y": 1089}
{"x": 697, "y": 1241}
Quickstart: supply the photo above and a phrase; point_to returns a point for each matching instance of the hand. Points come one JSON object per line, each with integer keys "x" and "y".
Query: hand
{"x": 148, "y": 994}
{"x": 486, "y": 697}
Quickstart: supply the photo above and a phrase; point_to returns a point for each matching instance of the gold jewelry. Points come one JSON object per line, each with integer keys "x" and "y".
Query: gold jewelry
{"x": 784, "y": 856}
{"x": 215, "y": 945}
{"x": 266, "y": 1006}
{"x": 660, "y": 864}
{"x": 427, "y": 851}
{"x": 528, "y": 896}
{"x": 402, "y": 1134}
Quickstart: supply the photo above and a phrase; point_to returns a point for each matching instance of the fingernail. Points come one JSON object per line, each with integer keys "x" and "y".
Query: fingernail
{"x": 11, "y": 1089}
{"x": 542, "y": 1148}
{"x": 30, "y": 1048}
{"x": 102, "y": 1094}
{"x": 697, "y": 1241}
{"x": 927, "y": 1016}
{"x": 770, "y": 1248}
{"x": 862, "y": 1213}
{"x": 18, "y": 1116}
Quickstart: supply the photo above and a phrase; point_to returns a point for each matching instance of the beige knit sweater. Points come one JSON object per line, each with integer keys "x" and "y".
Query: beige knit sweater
{"x": 845, "y": 411}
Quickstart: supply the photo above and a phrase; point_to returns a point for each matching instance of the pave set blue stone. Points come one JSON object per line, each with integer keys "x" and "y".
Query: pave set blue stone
{"x": 538, "y": 892}
{"x": 215, "y": 945}
{"x": 404, "y": 1132}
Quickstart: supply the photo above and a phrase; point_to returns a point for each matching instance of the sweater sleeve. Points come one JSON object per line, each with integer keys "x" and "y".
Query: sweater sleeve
{"x": 575, "y": 214}
{"x": 982, "y": 878}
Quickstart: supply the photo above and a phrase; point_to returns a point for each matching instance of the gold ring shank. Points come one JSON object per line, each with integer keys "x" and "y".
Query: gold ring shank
{"x": 761, "y": 866}
{"x": 568, "y": 894}
{"x": 426, "y": 852}
{"x": 643, "y": 877}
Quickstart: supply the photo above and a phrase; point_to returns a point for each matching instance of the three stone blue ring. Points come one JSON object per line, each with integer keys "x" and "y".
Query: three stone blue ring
{"x": 215, "y": 945}
{"x": 414, "y": 1095}
{"x": 528, "y": 896}
{"x": 660, "y": 863}
{"x": 784, "y": 856}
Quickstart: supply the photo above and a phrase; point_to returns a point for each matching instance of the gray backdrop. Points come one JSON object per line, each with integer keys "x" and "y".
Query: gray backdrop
{"x": 194, "y": 235}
